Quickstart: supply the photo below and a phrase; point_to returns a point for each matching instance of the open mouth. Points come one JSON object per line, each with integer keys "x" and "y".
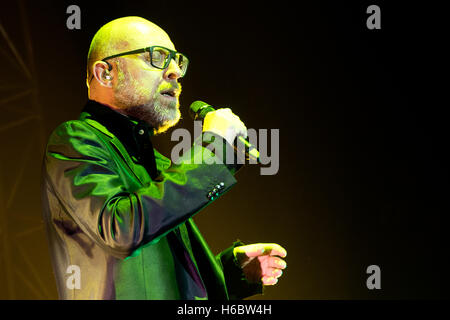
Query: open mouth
{"x": 171, "y": 93}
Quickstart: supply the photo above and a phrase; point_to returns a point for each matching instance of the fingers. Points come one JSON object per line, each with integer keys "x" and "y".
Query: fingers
{"x": 271, "y": 276}
{"x": 253, "y": 250}
{"x": 239, "y": 126}
{"x": 224, "y": 123}
{"x": 273, "y": 272}
{"x": 271, "y": 249}
{"x": 269, "y": 259}
{"x": 242, "y": 130}
{"x": 274, "y": 249}
{"x": 275, "y": 262}
{"x": 269, "y": 281}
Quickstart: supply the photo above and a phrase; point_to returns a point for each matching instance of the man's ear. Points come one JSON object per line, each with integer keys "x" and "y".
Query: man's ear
{"x": 102, "y": 73}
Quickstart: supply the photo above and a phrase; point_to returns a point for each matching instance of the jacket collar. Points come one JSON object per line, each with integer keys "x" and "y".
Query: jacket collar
{"x": 133, "y": 133}
{"x": 117, "y": 123}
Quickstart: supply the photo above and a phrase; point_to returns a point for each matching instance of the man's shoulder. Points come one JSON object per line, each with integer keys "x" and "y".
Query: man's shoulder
{"x": 76, "y": 139}
{"x": 83, "y": 125}
{"x": 78, "y": 132}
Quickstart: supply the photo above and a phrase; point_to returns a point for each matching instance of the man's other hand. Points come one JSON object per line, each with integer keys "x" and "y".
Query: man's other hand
{"x": 261, "y": 262}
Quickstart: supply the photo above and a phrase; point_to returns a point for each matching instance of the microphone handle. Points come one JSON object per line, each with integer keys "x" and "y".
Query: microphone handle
{"x": 250, "y": 151}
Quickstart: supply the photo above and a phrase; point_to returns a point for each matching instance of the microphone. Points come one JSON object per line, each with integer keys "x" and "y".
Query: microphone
{"x": 199, "y": 109}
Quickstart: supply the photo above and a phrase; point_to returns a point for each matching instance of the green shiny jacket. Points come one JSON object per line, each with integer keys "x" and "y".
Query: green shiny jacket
{"x": 117, "y": 232}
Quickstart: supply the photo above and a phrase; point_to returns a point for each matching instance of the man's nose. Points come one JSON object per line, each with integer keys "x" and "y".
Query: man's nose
{"x": 173, "y": 71}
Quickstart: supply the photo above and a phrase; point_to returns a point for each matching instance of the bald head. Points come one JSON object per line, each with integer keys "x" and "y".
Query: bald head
{"x": 129, "y": 83}
{"x": 124, "y": 34}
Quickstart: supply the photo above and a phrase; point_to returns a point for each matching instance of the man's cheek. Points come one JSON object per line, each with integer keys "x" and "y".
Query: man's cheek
{"x": 120, "y": 77}
{"x": 141, "y": 89}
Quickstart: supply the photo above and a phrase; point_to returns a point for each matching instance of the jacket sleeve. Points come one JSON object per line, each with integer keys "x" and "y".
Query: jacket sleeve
{"x": 237, "y": 285}
{"x": 81, "y": 170}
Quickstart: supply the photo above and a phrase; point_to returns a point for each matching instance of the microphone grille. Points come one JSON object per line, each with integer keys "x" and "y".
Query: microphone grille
{"x": 196, "y": 107}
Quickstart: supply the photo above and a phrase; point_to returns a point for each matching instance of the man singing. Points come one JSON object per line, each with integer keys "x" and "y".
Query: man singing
{"x": 117, "y": 212}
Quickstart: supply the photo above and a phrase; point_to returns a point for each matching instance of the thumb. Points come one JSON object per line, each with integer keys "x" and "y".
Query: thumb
{"x": 259, "y": 249}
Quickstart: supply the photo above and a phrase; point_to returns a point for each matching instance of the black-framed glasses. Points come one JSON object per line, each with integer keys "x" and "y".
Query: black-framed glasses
{"x": 160, "y": 57}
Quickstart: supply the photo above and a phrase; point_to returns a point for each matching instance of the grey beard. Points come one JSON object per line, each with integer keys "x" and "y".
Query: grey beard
{"x": 155, "y": 115}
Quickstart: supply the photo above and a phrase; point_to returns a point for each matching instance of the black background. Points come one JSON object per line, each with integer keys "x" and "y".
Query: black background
{"x": 363, "y": 175}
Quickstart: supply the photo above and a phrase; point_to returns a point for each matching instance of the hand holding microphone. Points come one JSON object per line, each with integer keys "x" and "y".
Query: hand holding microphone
{"x": 226, "y": 124}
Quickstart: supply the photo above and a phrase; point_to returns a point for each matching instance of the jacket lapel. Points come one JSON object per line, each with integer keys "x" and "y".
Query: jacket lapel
{"x": 207, "y": 264}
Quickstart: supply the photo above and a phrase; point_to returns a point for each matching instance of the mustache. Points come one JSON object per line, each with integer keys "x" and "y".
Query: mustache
{"x": 171, "y": 86}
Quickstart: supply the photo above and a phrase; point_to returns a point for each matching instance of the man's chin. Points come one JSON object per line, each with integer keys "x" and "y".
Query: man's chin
{"x": 160, "y": 117}
{"x": 166, "y": 125}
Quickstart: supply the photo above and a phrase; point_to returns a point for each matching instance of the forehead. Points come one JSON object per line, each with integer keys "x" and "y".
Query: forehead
{"x": 146, "y": 35}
